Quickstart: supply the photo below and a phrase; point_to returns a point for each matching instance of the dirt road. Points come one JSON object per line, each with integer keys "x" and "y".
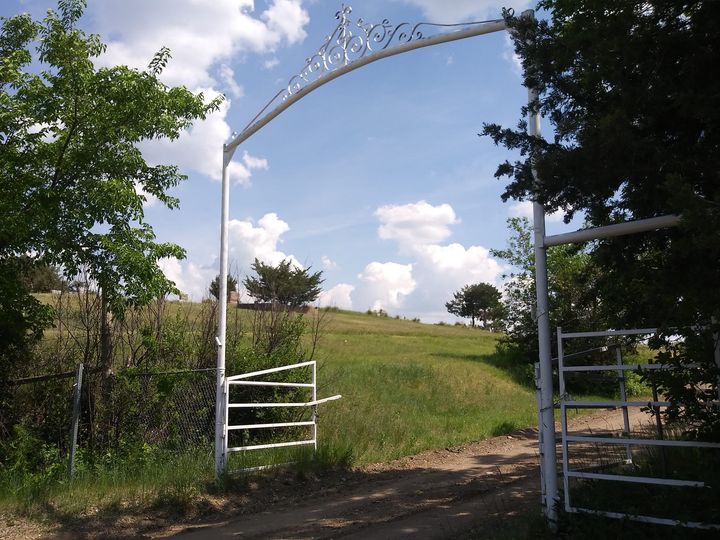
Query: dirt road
{"x": 437, "y": 494}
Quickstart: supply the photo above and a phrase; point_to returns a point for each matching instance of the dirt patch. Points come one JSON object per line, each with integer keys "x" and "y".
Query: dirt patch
{"x": 437, "y": 494}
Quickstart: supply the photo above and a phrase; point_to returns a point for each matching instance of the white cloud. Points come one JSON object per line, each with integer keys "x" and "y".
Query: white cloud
{"x": 249, "y": 241}
{"x": 188, "y": 276}
{"x": 287, "y": 19}
{"x": 339, "y": 296}
{"x": 525, "y": 209}
{"x": 203, "y": 37}
{"x": 150, "y": 199}
{"x": 271, "y": 63}
{"x": 227, "y": 76}
{"x": 451, "y": 11}
{"x": 415, "y": 224}
{"x": 252, "y": 162}
{"x": 199, "y": 34}
{"x": 200, "y": 148}
{"x": 436, "y": 270}
{"x": 511, "y": 56}
{"x": 328, "y": 263}
{"x": 384, "y": 285}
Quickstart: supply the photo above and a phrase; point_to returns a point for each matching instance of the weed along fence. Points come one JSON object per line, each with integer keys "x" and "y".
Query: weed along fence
{"x": 291, "y": 423}
{"x": 661, "y": 480}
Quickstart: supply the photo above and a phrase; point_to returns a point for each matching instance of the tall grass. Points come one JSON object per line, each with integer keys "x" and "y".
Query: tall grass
{"x": 406, "y": 386}
{"x": 409, "y": 387}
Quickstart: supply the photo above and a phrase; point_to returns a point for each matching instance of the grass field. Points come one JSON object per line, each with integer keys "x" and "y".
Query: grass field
{"x": 409, "y": 387}
{"x": 406, "y": 386}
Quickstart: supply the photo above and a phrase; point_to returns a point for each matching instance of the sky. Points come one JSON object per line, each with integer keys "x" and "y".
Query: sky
{"x": 379, "y": 178}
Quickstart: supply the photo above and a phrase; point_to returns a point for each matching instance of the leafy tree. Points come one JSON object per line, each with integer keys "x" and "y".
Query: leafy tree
{"x": 69, "y": 159}
{"x": 41, "y": 278}
{"x": 479, "y": 301}
{"x": 215, "y": 286}
{"x": 283, "y": 284}
{"x": 571, "y": 285}
{"x": 636, "y": 134}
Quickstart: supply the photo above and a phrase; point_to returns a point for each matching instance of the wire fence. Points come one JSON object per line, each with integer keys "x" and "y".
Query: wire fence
{"x": 168, "y": 409}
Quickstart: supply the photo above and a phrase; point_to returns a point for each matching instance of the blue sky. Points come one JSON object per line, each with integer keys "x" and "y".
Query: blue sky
{"x": 378, "y": 178}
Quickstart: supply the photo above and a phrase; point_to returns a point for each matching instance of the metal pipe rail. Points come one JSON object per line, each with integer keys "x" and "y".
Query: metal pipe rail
{"x": 635, "y": 479}
{"x": 270, "y": 404}
{"x": 242, "y": 380}
{"x": 645, "y": 519}
{"x": 624, "y": 367}
{"x": 614, "y": 404}
{"x": 640, "y": 442}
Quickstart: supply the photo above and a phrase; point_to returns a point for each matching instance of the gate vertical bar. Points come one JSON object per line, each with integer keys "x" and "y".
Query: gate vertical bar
{"x": 716, "y": 354}
{"x": 538, "y": 404}
{"x": 77, "y": 392}
{"x": 563, "y": 419}
{"x": 623, "y": 397}
{"x": 315, "y": 407}
{"x": 548, "y": 460}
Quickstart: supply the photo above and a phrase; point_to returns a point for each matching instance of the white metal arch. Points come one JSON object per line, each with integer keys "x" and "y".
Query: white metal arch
{"x": 350, "y": 47}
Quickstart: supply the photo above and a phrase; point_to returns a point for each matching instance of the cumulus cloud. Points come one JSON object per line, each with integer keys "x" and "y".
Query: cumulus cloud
{"x": 511, "y": 56}
{"x": 328, "y": 263}
{"x": 416, "y": 223}
{"x": 384, "y": 285}
{"x": 338, "y": 296}
{"x": 443, "y": 11}
{"x": 227, "y": 76}
{"x": 249, "y": 241}
{"x": 437, "y": 268}
{"x": 525, "y": 209}
{"x": 202, "y": 37}
{"x": 189, "y": 277}
{"x": 199, "y": 148}
{"x": 199, "y": 34}
{"x": 252, "y": 162}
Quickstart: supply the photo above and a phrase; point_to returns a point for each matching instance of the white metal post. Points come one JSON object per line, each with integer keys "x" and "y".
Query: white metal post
{"x": 623, "y": 397}
{"x": 220, "y": 399}
{"x": 563, "y": 418}
{"x": 548, "y": 460}
{"x": 315, "y": 407}
{"x": 77, "y": 393}
{"x": 539, "y": 423}
{"x": 716, "y": 355}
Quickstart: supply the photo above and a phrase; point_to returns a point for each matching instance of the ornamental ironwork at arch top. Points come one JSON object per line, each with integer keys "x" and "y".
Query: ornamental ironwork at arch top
{"x": 351, "y": 41}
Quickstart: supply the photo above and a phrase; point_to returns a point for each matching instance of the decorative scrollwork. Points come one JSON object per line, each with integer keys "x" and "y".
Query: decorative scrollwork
{"x": 352, "y": 41}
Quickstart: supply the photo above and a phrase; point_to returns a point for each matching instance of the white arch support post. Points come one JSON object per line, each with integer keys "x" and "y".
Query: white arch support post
{"x": 351, "y": 46}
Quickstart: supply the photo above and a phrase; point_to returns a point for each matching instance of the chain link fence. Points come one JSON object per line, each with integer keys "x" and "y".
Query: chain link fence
{"x": 173, "y": 410}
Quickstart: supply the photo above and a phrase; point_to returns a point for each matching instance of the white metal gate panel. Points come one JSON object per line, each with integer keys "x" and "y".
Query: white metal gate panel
{"x": 246, "y": 379}
{"x": 625, "y": 440}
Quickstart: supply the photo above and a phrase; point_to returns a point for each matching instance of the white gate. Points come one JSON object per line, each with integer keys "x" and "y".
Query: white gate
{"x": 624, "y": 439}
{"x": 246, "y": 379}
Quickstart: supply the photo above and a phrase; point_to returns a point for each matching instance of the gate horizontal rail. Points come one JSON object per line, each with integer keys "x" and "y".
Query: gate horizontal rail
{"x": 242, "y": 380}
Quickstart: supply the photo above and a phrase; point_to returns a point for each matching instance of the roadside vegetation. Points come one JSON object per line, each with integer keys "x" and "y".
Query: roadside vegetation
{"x": 406, "y": 386}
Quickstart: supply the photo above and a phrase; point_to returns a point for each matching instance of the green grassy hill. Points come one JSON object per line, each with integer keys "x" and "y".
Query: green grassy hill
{"x": 409, "y": 387}
{"x": 406, "y": 386}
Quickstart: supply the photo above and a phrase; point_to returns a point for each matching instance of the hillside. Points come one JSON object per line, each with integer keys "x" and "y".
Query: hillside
{"x": 409, "y": 387}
